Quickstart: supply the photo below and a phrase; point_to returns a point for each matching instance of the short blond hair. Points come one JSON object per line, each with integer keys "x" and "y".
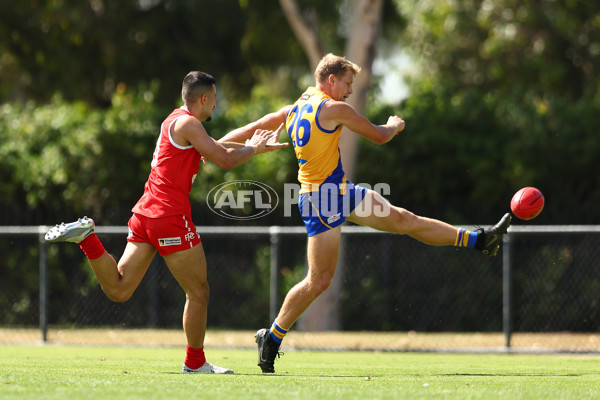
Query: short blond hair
{"x": 336, "y": 65}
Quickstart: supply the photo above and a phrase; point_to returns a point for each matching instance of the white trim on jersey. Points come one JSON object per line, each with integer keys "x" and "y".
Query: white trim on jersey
{"x": 171, "y": 138}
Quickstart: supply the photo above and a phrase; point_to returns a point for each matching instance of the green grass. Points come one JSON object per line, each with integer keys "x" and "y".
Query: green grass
{"x": 122, "y": 373}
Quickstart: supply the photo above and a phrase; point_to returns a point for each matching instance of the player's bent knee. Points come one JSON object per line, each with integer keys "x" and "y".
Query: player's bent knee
{"x": 321, "y": 284}
{"x": 118, "y": 295}
{"x": 404, "y": 221}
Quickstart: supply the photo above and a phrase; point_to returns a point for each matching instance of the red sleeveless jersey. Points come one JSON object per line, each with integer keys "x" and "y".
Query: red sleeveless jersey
{"x": 174, "y": 168}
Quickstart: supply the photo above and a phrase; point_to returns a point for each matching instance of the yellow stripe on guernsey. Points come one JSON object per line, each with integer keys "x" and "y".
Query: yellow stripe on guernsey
{"x": 317, "y": 149}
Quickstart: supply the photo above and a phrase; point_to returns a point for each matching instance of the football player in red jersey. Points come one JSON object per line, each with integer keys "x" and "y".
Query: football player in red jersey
{"x": 161, "y": 219}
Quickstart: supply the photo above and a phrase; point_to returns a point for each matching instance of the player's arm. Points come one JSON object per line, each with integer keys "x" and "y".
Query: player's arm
{"x": 341, "y": 113}
{"x": 269, "y": 122}
{"x": 231, "y": 145}
{"x": 189, "y": 130}
{"x": 272, "y": 139}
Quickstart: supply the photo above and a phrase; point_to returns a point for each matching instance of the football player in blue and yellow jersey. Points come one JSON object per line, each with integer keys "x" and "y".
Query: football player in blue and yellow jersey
{"x": 327, "y": 198}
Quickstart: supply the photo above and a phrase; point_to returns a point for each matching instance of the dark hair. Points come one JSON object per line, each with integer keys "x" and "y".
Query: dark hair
{"x": 195, "y": 84}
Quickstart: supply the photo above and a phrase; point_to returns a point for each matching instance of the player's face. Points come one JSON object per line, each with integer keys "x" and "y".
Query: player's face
{"x": 342, "y": 86}
{"x": 211, "y": 103}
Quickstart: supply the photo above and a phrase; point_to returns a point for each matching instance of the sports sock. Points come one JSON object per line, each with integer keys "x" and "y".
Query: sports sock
{"x": 194, "y": 358}
{"x": 465, "y": 238}
{"x": 92, "y": 247}
{"x": 277, "y": 333}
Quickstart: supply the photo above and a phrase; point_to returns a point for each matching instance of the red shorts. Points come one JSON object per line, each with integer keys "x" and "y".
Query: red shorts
{"x": 167, "y": 234}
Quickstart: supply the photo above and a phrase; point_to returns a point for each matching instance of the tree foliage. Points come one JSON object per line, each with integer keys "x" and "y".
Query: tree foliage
{"x": 502, "y": 97}
{"x": 503, "y": 94}
{"x": 67, "y": 158}
{"x": 85, "y": 49}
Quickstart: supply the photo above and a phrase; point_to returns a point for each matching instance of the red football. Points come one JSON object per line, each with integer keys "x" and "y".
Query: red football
{"x": 527, "y": 203}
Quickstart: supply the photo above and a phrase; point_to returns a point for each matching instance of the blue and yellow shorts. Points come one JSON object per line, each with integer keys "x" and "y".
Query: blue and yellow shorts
{"x": 328, "y": 207}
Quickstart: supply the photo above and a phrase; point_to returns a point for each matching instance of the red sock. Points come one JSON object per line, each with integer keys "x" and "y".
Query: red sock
{"x": 92, "y": 247}
{"x": 194, "y": 358}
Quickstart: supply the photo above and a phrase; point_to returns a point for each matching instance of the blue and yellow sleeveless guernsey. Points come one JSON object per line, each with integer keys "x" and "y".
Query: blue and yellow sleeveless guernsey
{"x": 317, "y": 149}
{"x": 326, "y": 197}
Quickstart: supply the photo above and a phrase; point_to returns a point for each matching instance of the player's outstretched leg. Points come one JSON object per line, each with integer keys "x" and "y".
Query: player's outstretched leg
{"x": 493, "y": 236}
{"x": 73, "y": 232}
{"x": 207, "y": 368}
{"x": 268, "y": 350}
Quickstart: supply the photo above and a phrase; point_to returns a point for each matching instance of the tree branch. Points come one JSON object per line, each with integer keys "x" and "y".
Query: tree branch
{"x": 305, "y": 33}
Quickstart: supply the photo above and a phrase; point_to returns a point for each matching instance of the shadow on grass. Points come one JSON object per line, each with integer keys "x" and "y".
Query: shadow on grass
{"x": 512, "y": 374}
{"x": 279, "y": 375}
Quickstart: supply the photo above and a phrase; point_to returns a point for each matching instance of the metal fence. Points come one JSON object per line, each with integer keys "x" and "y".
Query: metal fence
{"x": 540, "y": 294}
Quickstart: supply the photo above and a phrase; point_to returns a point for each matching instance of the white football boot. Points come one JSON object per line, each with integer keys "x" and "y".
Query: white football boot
{"x": 207, "y": 368}
{"x": 72, "y": 232}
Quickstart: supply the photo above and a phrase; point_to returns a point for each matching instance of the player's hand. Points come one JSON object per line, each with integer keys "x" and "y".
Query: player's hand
{"x": 264, "y": 140}
{"x": 274, "y": 138}
{"x": 258, "y": 140}
{"x": 397, "y": 123}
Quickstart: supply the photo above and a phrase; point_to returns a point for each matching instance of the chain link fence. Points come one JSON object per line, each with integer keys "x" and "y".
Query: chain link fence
{"x": 394, "y": 293}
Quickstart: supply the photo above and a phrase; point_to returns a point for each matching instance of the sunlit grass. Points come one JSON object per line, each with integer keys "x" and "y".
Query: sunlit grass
{"x": 111, "y": 372}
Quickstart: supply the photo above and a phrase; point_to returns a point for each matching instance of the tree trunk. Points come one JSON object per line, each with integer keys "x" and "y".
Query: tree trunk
{"x": 360, "y": 49}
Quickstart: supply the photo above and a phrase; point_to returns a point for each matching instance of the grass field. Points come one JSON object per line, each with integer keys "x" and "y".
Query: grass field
{"x": 122, "y": 373}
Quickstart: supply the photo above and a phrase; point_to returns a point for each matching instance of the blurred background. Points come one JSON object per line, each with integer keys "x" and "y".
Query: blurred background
{"x": 496, "y": 94}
